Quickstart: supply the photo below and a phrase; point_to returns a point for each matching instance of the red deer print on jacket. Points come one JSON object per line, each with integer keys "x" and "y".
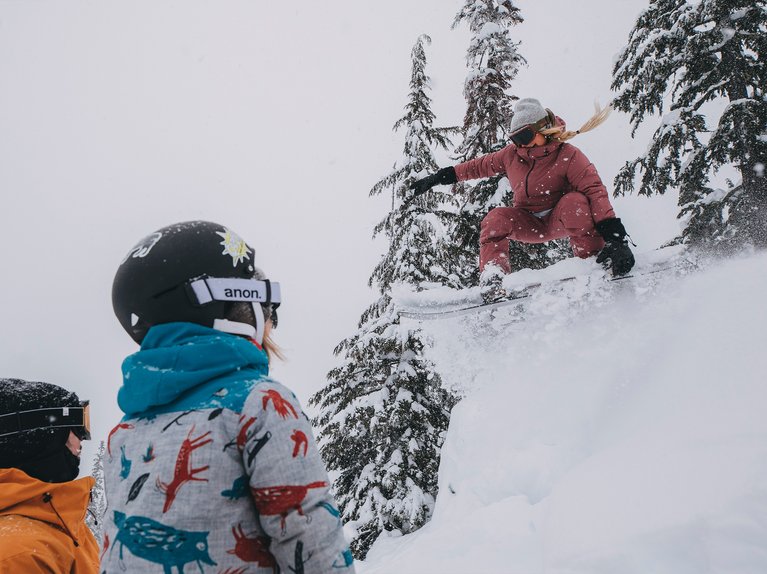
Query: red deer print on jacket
{"x": 280, "y": 500}
{"x": 183, "y": 471}
{"x": 254, "y": 549}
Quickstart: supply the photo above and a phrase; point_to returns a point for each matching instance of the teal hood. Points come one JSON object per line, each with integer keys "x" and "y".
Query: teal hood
{"x": 184, "y": 366}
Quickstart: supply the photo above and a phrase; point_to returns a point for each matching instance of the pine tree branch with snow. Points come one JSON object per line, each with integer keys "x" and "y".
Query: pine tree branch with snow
{"x": 695, "y": 59}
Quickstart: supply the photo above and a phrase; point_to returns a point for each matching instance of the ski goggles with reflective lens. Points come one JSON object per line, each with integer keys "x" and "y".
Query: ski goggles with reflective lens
{"x": 78, "y": 419}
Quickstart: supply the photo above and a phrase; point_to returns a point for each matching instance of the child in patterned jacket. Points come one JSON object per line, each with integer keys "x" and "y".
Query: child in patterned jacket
{"x": 214, "y": 463}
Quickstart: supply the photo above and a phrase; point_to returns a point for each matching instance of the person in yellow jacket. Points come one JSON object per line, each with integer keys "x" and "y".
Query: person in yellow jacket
{"x": 42, "y": 506}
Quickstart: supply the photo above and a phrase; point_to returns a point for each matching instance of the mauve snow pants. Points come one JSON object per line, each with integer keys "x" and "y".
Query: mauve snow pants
{"x": 571, "y": 217}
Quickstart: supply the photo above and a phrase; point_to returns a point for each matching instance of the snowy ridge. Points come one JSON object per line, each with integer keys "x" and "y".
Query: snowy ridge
{"x": 609, "y": 430}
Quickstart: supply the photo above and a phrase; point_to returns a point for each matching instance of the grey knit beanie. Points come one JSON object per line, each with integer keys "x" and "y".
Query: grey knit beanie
{"x": 527, "y": 111}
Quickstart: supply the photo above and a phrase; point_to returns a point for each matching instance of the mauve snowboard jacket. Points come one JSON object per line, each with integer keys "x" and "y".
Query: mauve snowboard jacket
{"x": 214, "y": 468}
{"x": 540, "y": 176}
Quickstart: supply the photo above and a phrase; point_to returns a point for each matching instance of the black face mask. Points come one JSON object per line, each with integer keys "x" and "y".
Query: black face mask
{"x": 58, "y": 465}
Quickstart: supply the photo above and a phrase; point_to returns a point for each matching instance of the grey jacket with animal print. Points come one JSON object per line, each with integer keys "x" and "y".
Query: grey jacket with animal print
{"x": 214, "y": 465}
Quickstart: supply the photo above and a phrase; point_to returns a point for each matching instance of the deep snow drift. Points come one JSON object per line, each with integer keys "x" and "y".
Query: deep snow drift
{"x": 617, "y": 427}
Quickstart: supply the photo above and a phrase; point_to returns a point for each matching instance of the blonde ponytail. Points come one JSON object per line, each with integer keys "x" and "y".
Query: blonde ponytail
{"x": 272, "y": 349}
{"x": 562, "y": 134}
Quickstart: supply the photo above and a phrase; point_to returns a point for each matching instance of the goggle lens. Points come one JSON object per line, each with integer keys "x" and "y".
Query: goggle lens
{"x": 84, "y": 432}
{"x": 523, "y": 136}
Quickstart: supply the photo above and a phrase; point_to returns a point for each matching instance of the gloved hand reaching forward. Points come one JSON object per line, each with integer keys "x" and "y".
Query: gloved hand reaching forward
{"x": 616, "y": 254}
{"x": 445, "y": 176}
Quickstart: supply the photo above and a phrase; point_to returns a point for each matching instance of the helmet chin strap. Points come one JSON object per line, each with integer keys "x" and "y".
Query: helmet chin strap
{"x": 237, "y": 328}
{"x": 258, "y": 311}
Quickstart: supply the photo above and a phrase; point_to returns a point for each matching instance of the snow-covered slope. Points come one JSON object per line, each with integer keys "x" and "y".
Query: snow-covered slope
{"x": 616, "y": 429}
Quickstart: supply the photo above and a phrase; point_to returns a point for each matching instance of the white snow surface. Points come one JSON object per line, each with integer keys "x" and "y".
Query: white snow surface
{"x": 610, "y": 429}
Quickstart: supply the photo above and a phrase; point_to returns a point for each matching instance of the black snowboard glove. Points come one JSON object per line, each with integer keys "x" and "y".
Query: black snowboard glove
{"x": 445, "y": 176}
{"x": 616, "y": 254}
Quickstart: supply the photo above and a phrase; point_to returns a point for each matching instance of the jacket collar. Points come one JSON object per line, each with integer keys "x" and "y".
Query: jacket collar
{"x": 26, "y": 496}
{"x": 177, "y": 357}
{"x": 538, "y": 151}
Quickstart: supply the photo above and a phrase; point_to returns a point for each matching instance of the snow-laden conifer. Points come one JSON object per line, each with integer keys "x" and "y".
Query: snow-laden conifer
{"x": 384, "y": 413}
{"x": 97, "y": 506}
{"x": 493, "y": 61}
{"x": 702, "y": 65}
{"x": 419, "y": 245}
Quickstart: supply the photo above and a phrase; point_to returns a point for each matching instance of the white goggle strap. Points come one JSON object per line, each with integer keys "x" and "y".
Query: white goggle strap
{"x": 206, "y": 289}
{"x": 47, "y": 417}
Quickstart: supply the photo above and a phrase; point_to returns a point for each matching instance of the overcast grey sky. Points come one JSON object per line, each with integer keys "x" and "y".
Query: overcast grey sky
{"x": 117, "y": 118}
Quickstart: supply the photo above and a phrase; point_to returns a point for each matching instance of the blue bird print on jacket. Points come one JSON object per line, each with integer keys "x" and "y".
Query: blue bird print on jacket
{"x": 126, "y": 464}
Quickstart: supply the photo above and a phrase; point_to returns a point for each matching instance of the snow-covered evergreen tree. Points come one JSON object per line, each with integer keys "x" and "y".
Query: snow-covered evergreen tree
{"x": 708, "y": 59}
{"x": 97, "y": 506}
{"x": 384, "y": 413}
{"x": 493, "y": 62}
{"x": 419, "y": 247}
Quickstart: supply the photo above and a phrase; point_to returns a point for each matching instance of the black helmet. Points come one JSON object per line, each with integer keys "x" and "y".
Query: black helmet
{"x": 195, "y": 272}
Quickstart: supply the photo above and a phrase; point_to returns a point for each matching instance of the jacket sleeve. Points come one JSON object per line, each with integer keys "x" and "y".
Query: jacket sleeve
{"x": 28, "y": 545}
{"x": 484, "y": 166}
{"x": 584, "y": 178}
{"x": 289, "y": 484}
{"x": 33, "y": 561}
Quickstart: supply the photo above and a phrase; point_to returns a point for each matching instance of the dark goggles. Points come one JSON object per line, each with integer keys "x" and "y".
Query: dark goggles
{"x": 524, "y": 136}
{"x": 78, "y": 419}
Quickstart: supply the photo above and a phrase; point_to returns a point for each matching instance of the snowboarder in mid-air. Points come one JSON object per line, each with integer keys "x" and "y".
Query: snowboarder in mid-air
{"x": 557, "y": 193}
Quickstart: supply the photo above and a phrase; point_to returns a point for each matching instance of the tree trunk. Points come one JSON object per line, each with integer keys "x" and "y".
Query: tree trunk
{"x": 751, "y": 208}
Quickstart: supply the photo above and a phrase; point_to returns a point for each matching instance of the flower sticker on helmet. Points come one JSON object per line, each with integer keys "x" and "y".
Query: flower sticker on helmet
{"x": 234, "y": 246}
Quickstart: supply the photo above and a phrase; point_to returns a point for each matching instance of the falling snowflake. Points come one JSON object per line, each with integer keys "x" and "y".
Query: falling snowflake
{"x": 234, "y": 246}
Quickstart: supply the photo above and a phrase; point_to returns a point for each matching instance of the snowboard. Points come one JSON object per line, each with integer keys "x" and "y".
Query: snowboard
{"x": 470, "y": 301}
